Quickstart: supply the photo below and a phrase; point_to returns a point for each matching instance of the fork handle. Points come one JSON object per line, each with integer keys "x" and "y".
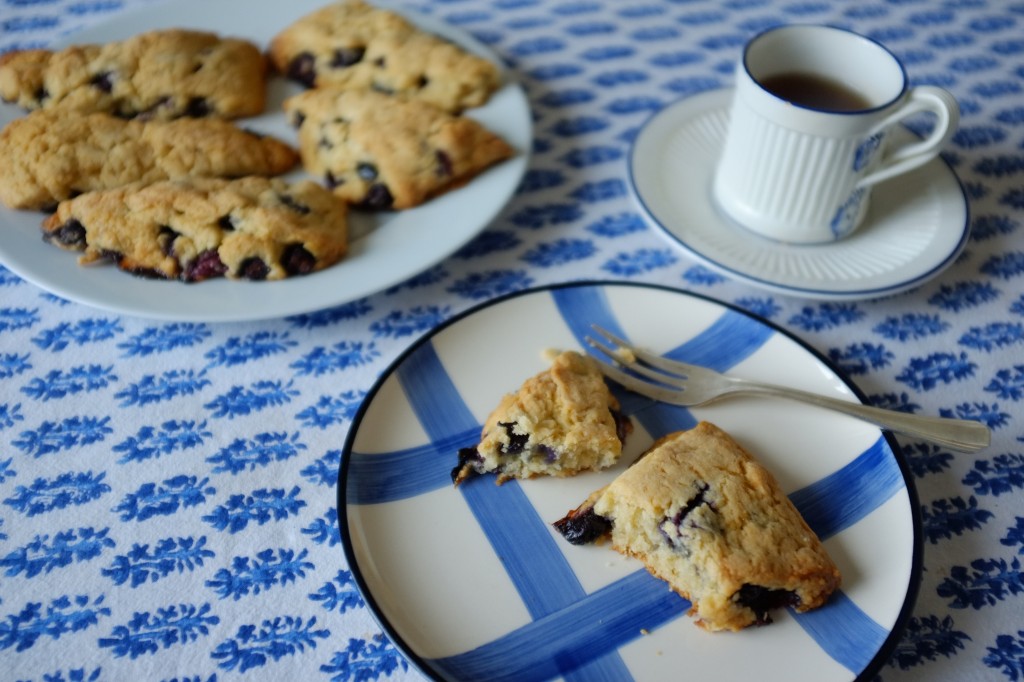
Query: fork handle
{"x": 959, "y": 434}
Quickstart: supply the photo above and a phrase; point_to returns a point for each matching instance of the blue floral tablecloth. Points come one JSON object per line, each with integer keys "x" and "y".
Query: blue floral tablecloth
{"x": 167, "y": 489}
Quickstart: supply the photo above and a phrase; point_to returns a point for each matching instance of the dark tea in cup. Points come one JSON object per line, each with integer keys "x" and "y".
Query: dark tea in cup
{"x": 815, "y": 92}
{"x": 808, "y": 132}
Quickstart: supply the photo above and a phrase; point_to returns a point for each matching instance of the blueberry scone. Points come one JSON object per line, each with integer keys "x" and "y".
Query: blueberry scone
{"x": 382, "y": 152}
{"x": 560, "y": 422}
{"x": 355, "y": 45}
{"x": 253, "y": 228}
{"x": 703, "y": 515}
{"x": 49, "y": 157}
{"x": 158, "y": 75}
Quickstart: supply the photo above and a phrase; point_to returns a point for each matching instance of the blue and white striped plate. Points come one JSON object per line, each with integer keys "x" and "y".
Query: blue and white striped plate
{"x": 473, "y": 583}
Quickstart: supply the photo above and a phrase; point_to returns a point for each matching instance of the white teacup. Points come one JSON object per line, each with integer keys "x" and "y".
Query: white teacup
{"x": 808, "y": 131}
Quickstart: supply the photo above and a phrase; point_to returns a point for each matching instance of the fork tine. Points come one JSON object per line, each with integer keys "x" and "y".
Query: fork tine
{"x": 621, "y": 360}
{"x": 679, "y": 369}
{"x": 657, "y": 392}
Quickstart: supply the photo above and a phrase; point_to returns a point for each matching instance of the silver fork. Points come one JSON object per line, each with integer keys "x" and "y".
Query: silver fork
{"x": 678, "y": 383}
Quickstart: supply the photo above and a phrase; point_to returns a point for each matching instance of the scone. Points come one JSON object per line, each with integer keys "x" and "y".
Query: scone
{"x": 560, "y": 422}
{"x": 382, "y": 152}
{"x": 253, "y": 228}
{"x": 155, "y": 75}
{"x": 703, "y": 515}
{"x": 355, "y": 45}
{"x": 48, "y": 156}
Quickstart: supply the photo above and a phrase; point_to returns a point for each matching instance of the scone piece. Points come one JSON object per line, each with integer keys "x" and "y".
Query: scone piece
{"x": 560, "y": 422}
{"x": 253, "y": 228}
{"x": 49, "y": 156}
{"x": 703, "y": 515}
{"x": 355, "y": 45}
{"x": 381, "y": 152}
{"x": 154, "y": 75}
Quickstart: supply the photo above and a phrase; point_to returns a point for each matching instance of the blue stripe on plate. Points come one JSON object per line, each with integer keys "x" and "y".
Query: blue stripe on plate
{"x": 844, "y": 632}
{"x": 730, "y": 339}
{"x": 542, "y": 576}
{"x": 617, "y": 614}
{"x": 659, "y": 419}
{"x": 397, "y": 475}
{"x": 584, "y": 632}
{"x": 433, "y": 396}
{"x": 846, "y": 496}
{"x": 391, "y": 476}
{"x": 582, "y": 307}
{"x": 830, "y": 506}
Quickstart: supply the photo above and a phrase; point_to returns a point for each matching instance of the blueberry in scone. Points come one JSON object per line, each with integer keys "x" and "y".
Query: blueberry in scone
{"x": 49, "y": 157}
{"x": 560, "y": 422}
{"x": 382, "y": 152}
{"x": 355, "y": 45}
{"x": 327, "y": 43}
{"x": 702, "y": 514}
{"x": 195, "y": 229}
{"x": 161, "y": 74}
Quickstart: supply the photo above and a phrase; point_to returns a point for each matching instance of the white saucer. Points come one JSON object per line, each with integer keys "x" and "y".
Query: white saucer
{"x": 915, "y": 227}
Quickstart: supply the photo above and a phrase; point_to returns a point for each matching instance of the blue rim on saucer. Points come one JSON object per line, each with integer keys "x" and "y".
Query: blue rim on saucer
{"x": 916, "y": 225}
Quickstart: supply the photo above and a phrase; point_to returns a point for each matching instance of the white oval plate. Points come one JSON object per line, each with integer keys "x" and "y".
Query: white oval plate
{"x": 385, "y": 248}
{"x": 915, "y": 227}
{"x": 473, "y": 583}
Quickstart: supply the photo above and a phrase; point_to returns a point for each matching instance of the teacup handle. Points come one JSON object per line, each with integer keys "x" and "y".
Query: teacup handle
{"x": 922, "y": 98}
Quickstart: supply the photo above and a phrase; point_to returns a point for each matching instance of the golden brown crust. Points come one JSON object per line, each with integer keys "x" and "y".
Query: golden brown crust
{"x": 337, "y": 26}
{"x": 22, "y": 75}
{"x": 355, "y": 45}
{"x": 50, "y": 157}
{"x": 560, "y": 422}
{"x": 384, "y": 152}
{"x": 703, "y": 515}
{"x": 194, "y": 229}
{"x": 161, "y": 74}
